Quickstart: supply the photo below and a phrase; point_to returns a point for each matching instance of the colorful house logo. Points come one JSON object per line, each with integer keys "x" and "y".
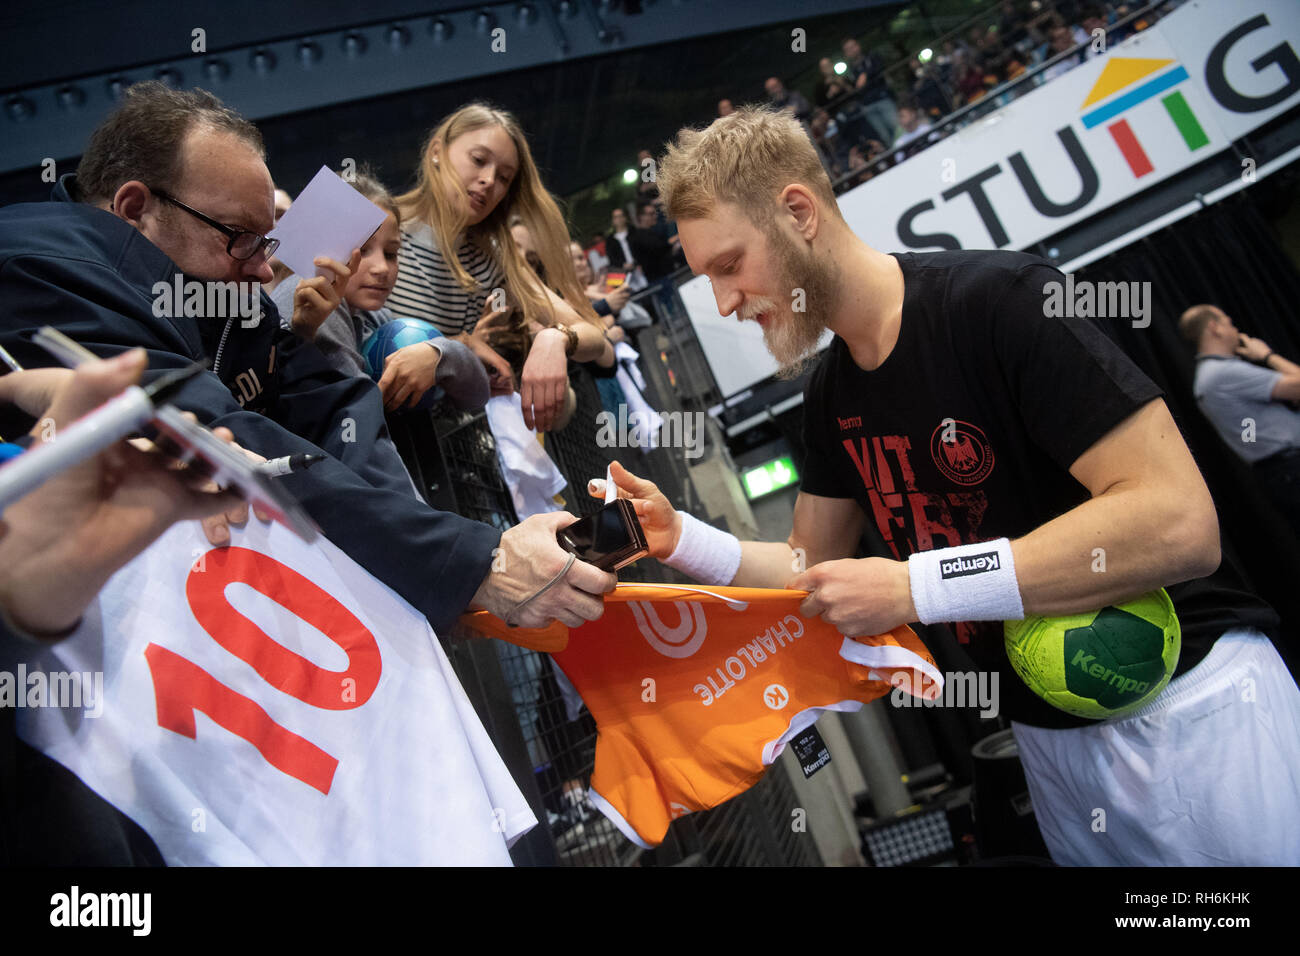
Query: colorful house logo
{"x": 1117, "y": 84}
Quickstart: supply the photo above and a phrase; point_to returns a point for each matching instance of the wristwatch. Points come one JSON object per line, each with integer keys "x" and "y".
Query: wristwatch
{"x": 572, "y": 345}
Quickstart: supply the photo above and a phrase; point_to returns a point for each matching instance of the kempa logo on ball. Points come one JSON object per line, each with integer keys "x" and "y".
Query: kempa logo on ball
{"x": 680, "y": 641}
{"x": 975, "y": 564}
{"x": 1086, "y": 663}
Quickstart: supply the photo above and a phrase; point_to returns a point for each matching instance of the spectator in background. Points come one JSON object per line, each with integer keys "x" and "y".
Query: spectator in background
{"x": 793, "y": 100}
{"x": 602, "y": 366}
{"x": 279, "y": 271}
{"x": 1060, "y": 41}
{"x": 830, "y": 145}
{"x": 524, "y": 242}
{"x": 830, "y": 85}
{"x": 947, "y": 61}
{"x": 876, "y": 104}
{"x": 857, "y": 163}
{"x": 619, "y": 249}
{"x": 1120, "y": 34}
{"x": 1011, "y": 25}
{"x": 911, "y": 128}
{"x": 989, "y": 46}
{"x": 1012, "y": 67}
{"x": 610, "y": 299}
{"x": 596, "y": 257}
{"x": 725, "y": 108}
{"x": 970, "y": 81}
{"x": 627, "y": 385}
{"x": 282, "y": 203}
{"x": 650, "y": 246}
{"x": 475, "y": 171}
{"x": 607, "y": 305}
{"x": 1246, "y": 389}
{"x": 927, "y": 93}
{"x": 606, "y": 300}
{"x": 860, "y": 158}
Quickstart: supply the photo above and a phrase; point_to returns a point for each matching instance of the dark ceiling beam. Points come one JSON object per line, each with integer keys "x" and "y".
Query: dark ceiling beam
{"x": 54, "y": 120}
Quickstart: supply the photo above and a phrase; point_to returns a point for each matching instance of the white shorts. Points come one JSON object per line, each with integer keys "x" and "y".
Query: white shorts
{"x": 1207, "y": 774}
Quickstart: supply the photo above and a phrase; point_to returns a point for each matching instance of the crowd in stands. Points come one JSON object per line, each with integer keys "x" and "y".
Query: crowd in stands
{"x": 868, "y": 110}
{"x": 872, "y": 104}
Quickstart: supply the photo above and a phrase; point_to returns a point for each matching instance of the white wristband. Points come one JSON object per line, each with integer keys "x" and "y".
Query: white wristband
{"x": 972, "y": 582}
{"x": 708, "y": 555}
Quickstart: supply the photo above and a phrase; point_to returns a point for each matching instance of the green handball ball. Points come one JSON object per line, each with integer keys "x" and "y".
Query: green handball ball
{"x": 1098, "y": 664}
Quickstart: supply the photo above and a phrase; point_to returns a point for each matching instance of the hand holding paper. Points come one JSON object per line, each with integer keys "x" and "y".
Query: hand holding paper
{"x": 329, "y": 218}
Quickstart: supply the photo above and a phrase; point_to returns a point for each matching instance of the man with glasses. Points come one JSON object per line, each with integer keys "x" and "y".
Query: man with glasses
{"x": 243, "y": 245}
{"x": 172, "y": 182}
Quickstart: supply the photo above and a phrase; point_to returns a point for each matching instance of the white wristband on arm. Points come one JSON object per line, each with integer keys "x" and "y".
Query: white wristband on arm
{"x": 972, "y": 582}
{"x": 708, "y": 555}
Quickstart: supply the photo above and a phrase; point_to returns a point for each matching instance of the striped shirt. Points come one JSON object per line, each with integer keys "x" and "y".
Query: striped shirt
{"x": 427, "y": 289}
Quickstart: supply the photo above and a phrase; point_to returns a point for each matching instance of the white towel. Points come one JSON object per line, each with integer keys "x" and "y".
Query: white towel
{"x": 631, "y": 380}
{"x": 529, "y": 473}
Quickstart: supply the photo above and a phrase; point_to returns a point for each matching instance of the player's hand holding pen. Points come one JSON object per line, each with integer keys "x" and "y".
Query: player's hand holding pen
{"x": 60, "y": 542}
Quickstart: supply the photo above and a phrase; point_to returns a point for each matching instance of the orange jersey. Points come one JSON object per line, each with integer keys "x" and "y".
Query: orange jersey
{"x": 696, "y": 691}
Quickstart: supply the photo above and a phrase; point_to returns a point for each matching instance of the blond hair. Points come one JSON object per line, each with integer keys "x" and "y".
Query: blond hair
{"x": 526, "y": 197}
{"x": 746, "y": 159}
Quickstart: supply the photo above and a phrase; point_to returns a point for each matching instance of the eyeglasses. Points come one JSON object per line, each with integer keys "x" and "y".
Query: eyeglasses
{"x": 243, "y": 244}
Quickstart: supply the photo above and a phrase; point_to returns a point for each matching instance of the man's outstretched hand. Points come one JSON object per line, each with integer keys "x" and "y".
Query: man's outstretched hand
{"x": 528, "y": 558}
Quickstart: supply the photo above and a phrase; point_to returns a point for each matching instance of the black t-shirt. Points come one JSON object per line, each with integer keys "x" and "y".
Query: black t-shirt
{"x": 1027, "y": 395}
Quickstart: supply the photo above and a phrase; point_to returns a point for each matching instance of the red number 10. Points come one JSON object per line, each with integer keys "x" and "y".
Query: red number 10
{"x": 181, "y": 687}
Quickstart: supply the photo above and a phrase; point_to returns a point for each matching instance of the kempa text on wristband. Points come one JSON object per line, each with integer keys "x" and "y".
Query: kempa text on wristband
{"x": 972, "y": 582}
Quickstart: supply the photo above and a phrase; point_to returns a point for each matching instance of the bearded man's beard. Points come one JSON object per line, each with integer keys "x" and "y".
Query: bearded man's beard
{"x": 792, "y": 337}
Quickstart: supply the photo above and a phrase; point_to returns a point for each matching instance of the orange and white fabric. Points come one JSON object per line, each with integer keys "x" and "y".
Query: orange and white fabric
{"x": 273, "y": 703}
{"x": 696, "y": 691}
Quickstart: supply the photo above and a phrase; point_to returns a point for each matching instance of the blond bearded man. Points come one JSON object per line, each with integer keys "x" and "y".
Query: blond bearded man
{"x": 960, "y": 420}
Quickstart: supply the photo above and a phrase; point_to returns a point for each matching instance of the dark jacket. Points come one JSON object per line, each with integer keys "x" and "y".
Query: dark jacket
{"x": 614, "y": 250}
{"x": 652, "y": 251}
{"x": 92, "y": 275}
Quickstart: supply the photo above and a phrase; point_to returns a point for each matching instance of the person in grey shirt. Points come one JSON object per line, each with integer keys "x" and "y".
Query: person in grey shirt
{"x": 458, "y": 372}
{"x": 410, "y": 372}
{"x": 1244, "y": 388}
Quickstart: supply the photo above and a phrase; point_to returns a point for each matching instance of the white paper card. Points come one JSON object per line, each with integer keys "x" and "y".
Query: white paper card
{"x": 329, "y": 218}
